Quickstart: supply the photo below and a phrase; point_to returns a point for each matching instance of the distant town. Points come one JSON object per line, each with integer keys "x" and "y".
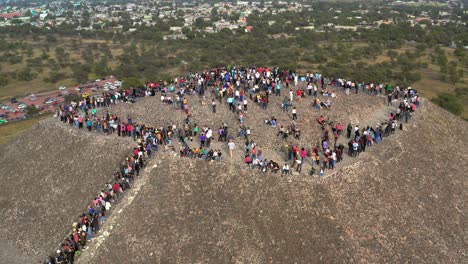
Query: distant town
{"x": 182, "y": 17}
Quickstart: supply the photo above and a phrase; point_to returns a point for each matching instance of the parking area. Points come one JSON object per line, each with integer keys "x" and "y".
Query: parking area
{"x": 15, "y": 108}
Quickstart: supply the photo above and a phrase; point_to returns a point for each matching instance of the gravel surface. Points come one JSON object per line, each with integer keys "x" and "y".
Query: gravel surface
{"x": 403, "y": 202}
{"x": 50, "y": 174}
{"x": 400, "y": 201}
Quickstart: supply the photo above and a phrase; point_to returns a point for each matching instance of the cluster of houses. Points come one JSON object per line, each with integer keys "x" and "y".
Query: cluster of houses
{"x": 110, "y": 16}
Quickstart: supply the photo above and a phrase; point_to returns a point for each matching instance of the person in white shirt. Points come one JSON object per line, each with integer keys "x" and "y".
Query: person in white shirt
{"x": 299, "y": 165}
{"x": 255, "y": 163}
{"x": 209, "y": 134}
{"x": 231, "y": 146}
{"x": 285, "y": 169}
{"x": 333, "y": 160}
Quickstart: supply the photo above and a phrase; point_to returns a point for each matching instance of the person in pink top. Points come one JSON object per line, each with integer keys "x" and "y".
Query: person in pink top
{"x": 303, "y": 154}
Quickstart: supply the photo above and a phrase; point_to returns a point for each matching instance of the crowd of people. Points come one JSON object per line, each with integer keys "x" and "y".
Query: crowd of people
{"x": 230, "y": 86}
{"x": 261, "y": 83}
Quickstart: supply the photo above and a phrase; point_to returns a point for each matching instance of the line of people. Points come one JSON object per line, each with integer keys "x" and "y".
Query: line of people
{"x": 89, "y": 223}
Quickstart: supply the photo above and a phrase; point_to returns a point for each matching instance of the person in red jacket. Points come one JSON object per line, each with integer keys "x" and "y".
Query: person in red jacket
{"x": 299, "y": 93}
{"x": 129, "y": 129}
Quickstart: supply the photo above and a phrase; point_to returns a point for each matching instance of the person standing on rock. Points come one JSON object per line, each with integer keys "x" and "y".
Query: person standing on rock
{"x": 213, "y": 106}
{"x": 355, "y": 148}
{"x": 230, "y": 102}
{"x": 303, "y": 154}
{"x": 299, "y": 165}
{"x": 202, "y": 140}
{"x": 278, "y": 89}
{"x": 389, "y": 99}
{"x": 231, "y": 146}
{"x": 294, "y": 113}
{"x": 209, "y": 134}
{"x": 349, "y": 130}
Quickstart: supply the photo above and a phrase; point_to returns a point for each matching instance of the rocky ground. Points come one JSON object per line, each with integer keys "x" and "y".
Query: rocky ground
{"x": 406, "y": 200}
{"x": 199, "y": 215}
{"x": 403, "y": 201}
{"x": 359, "y": 109}
{"x": 49, "y": 175}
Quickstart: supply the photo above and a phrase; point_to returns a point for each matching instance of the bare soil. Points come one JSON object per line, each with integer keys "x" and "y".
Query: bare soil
{"x": 403, "y": 201}
{"x": 49, "y": 175}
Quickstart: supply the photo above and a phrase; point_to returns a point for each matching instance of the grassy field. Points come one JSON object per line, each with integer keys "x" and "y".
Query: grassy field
{"x": 430, "y": 85}
{"x": 39, "y": 84}
{"x": 73, "y": 49}
{"x": 11, "y": 130}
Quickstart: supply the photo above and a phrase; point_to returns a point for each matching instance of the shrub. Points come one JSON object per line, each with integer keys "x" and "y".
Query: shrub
{"x": 4, "y": 80}
{"x": 450, "y": 103}
{"x": 26, "y": 74}
{"x": 31, "y": 110}
{"x": 72, "y": 98}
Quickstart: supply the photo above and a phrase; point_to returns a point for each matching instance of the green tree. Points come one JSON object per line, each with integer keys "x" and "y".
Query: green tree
{"x": 131, "y": 82}
{"x": 454, "y": 75}
{"x": 29, "y": 52}
{"x": 392, "y": 54}
{"x": 101, "y": 68}
{"x": 201, "y": 23}
{"x": 421, "y": 47}
{"x": 60, "y": 52}
{"x": 449, "y": 102}
{"x": 4, "y": 79}
{"x": 25, "y": 74}
{"x": 51, "y": 38}
{"x": 80, "y": 72}
{"x": 31, "y": 110}
{"x": 72, "y": 98}
{"x": 44, "y": 55}
{"x": 55, "y": 76}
